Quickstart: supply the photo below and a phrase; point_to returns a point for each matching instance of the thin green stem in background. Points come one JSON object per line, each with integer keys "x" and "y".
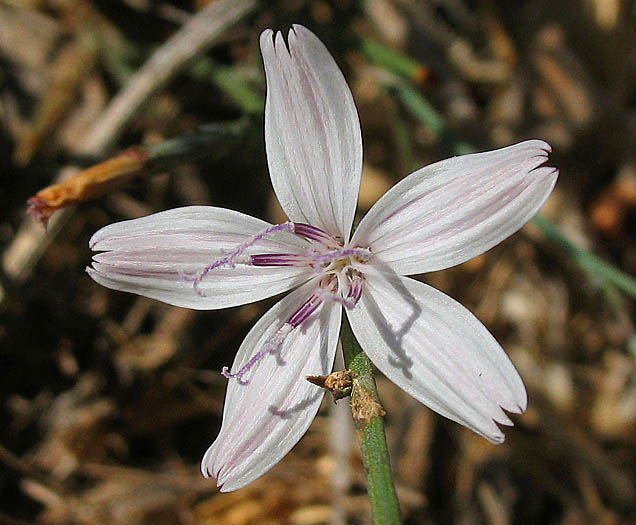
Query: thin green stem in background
{"x": 390, "y": 59}
{"x": 421, "y": 109}
{"x": 384, "y": 505}
{"x": 586, "y": 260}
{"x": 231, "y": 83}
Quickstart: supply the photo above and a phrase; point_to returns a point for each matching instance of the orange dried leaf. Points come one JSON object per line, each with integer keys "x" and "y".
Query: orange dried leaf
{"x": 89, "y": 184}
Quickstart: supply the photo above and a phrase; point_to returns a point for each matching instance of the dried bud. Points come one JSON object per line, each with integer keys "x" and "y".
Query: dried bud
{"x": 338, "y": 383}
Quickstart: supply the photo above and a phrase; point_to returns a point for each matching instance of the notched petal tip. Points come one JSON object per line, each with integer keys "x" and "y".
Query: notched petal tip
{"x": 538, "y": 144}
{"x": 522, "y": 403}
{"x": 495, "y": 435}
{"x": 302, "y": 32}
{"x": 540, "y": 151}
{"x": 503, "y": 419}
{"x": 266, "y": 41}
{"x": 207, "y": 467}
{"x": 295, "y": 31}
{"x": 93, "y": 242}
{"x": 531, "y": 144}
{"x": 500, "y": 437}
{"x": 528, "y": 154}
{"x": 95, "y": 238}
{"x": 497, "y": 439}
{"x": 266, "y": 32}
{"x": 96, "y": 275}
{"x": 544, "y": 145}
{"x": 207, "y": 472}
{"x": 280, "y": 45}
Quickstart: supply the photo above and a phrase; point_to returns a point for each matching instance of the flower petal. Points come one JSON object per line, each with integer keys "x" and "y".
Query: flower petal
{"x": 312, "y": 132}
{"x": 265, "y": 418}
{"x": 438, "y": 352}
{"x": 455, "y": 209}
{"x": 160, "y": 255}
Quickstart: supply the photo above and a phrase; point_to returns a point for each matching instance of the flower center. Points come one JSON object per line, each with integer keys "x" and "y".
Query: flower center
{"x": 339, "y": 267}
{"x": 342, "y": 279}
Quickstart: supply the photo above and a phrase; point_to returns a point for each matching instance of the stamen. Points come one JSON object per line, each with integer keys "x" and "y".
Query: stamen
{"x": 360, "y": 253}
{"x": 355, "y": 291}
{"x": 353, "y": 296}
{"x": 305, "y": 310}
{"x": 274, "y": 342}
{"x": 232, "y": 258}
{"x": 335, "y": 297}
{"x": 316, "y": 234}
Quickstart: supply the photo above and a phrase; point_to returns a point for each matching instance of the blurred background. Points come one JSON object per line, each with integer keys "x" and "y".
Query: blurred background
{"x": 108, "y": 400}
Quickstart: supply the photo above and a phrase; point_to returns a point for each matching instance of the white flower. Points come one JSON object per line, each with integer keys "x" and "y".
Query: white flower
{"x": 442, "y": 215}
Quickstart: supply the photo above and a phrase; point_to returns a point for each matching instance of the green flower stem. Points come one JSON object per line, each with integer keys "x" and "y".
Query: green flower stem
{"x": 384, "y": 505}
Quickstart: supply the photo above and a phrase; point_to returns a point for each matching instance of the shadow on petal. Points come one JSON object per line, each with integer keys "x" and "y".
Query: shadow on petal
{"x": 393, "y": 338}
{"x": 294, "y": 409}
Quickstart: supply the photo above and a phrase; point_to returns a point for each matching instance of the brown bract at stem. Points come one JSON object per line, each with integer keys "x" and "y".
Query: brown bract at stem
{"x": 364, "y": 407}
{"x": 344, "y": 383}
{"x": 88, "y": 184}
{"x": 338, "y": 383}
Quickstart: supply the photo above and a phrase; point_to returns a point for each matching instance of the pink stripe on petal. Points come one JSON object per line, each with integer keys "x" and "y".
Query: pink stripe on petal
{"x": 285, "y": 259}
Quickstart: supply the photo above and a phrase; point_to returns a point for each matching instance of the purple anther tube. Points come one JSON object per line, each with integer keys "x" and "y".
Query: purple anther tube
{"x": 308, "y": 308}
{"x": 315, "y": 234}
